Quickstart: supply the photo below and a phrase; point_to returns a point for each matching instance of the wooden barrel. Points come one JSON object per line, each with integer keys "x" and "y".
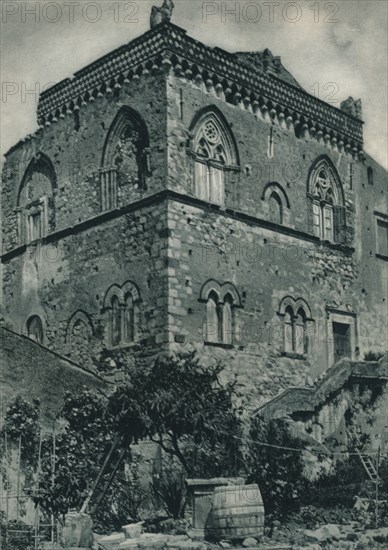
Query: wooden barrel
{"x": 237, "y": 512}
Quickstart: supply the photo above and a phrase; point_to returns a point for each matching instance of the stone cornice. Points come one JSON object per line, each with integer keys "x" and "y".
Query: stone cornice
{"x": 217, "y": 72}
{"x": 157, "y": 198}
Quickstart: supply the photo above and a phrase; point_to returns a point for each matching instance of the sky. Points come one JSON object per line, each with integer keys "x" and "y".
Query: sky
{"x": 334, "y": 49}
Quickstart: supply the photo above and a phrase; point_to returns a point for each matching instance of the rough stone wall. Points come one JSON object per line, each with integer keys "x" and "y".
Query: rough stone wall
{"x": 74, "y": 274}
{"x": 290, "y": 165}
{"x": 372, "y": 282}
{"x": 71, "y": 269}
{"x": 33, "y": 372}
{"x": 267, "y": 263}
{"x": 170, "y": 245}
{"x": 75, "y": 146}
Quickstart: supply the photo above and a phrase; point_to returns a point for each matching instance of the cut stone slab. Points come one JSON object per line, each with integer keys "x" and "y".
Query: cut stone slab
{"x": 249, "y": 542}
{"x": 129, "y": 544}
{"x": 77, "y": 531}
{"x": 111, "y": 542}
{"x": 325, "y": 533}
{"x": 132, "y": 530}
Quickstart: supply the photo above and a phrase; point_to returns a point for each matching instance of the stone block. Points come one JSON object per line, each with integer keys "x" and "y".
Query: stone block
{"x": 133, "y": 530}
{"x": 77, "y": 531}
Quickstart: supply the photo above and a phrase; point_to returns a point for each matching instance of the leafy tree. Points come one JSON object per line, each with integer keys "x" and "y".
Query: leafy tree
{"x": 86, "y": 436}
{"x": 22, "y": 420}
{"x": 183, "y": 406}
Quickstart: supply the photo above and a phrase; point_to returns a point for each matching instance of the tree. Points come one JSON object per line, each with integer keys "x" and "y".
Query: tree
{"x": 182, "y": 405}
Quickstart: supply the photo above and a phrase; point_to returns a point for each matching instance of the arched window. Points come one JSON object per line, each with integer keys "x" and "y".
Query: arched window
{"x": 300, "y": 332}
{"x": 79, "y": 334}
{"x": 288, "y": 330}
{"x": 212, "y": 318}
{"x": 35, "y": 329}
{"x": 227, "y": 320}
{"x": 275, "y": 209}
{"x": 129, "y": 319}
{"x": 35, "y": 205}
{"x": 214, "y": 153}
{"x": 326, "y": 196}
{"x": 115, "y": 321}
{"x": 126, "y": 161}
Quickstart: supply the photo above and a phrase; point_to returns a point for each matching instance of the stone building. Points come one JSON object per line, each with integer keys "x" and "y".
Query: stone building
{"x": 179, "y": 195}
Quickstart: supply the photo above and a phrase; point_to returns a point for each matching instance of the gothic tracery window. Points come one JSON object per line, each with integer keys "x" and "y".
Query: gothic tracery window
{"x": 328, "y": 212}
{"x": 126, "y": 160}
{"x": 213, "y": 153}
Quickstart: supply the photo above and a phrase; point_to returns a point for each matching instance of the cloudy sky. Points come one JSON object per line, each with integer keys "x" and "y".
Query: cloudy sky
{"x": 334, "y": 49}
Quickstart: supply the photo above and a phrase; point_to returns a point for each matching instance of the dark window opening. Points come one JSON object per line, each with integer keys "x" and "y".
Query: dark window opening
{"x": 342, "y": 343}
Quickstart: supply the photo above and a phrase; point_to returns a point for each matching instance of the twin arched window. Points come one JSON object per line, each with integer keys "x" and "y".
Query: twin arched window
{"x": 214, "y": 153}
{"x": 219, "y": 319}
{"x": 221, "y": 302}
{"x": 295, "y": 331}
{"x": 296, "y": 317}
{"x": 327, "y": 202}
{"x": 122, "y": 322}
{"x": 121, "y": 304}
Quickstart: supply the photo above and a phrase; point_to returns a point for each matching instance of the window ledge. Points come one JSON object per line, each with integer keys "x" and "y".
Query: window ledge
{"x": 381, "y": 256}
{"x": 219, "y": 345}
{"x": 293, "y": 355}
{"x": 122, "y": 346}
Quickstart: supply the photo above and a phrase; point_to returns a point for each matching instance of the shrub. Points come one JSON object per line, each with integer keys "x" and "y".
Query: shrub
{"x": 278, "y": 471}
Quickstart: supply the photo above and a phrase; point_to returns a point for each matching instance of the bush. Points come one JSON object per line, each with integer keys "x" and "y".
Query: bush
{"x": 278, "y": 472}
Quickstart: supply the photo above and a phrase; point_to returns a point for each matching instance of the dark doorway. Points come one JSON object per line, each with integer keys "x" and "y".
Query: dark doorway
{"x": 341, "y": 337}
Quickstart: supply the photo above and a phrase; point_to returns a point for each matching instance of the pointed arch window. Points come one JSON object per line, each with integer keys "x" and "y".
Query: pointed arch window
{"x": 288, "y": 330}
{"x": 35, "y": 204}
{"x": 214, "y": 153}
{"x": 115, "y": 321}
{"x": 275, "y": 209}
{"x": 327, "y": 203}
{"x": 129, "y": 319}
{"x": 35, "y": 329}
{"x": 126, "y": 159}
{"x": 300, "y": 332}
{"x": 227, "y": 320}
{"x": 213, "y": 318}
